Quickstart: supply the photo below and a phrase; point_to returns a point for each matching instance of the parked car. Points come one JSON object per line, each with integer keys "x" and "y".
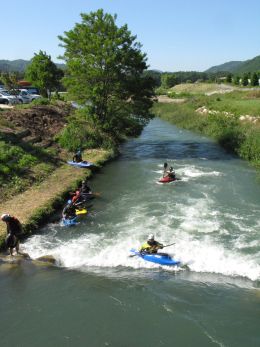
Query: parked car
{"x": 8, "y": 99}
{"x": 33, "y": 90}
{"x": 24, "y": 93}
{"x": 23, "y": 96}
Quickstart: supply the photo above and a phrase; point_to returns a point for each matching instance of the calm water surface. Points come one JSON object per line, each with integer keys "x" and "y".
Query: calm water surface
{"x": 98, "y": 296}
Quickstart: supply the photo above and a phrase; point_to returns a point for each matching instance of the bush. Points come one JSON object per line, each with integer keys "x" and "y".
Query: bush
{"x": 40, "y": 101}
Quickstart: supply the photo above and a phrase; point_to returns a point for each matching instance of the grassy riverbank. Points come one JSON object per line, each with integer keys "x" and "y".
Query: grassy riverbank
{"x": 233, "y": 120}
{"x": 35, "y": 205}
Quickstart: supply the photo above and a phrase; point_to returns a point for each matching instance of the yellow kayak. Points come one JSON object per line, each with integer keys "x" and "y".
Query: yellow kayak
{"x": 83, "y": 211}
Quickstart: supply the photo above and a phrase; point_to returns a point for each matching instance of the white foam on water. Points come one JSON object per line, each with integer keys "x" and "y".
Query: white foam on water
{"x": 195, "y": 225}
{"x": 193, "y": 172}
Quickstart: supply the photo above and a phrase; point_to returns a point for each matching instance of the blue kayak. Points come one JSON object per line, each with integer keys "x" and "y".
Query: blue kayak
{"x": 67, "y": 222}
{"x": 162, "y": 259}
{"x": 82, "y": 164}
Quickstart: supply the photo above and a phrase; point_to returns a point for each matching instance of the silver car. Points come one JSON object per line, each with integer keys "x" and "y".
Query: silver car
{"x": 8, "y": 99}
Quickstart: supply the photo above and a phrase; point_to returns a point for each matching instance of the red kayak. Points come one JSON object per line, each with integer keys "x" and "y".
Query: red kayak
{"x": 167, "y": 179}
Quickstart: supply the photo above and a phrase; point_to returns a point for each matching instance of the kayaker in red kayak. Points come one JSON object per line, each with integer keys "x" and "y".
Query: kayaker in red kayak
{"x": 171, "y": 173}
{"x": 165, "y": 167}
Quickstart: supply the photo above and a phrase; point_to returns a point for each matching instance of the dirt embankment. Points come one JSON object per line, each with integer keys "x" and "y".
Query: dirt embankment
{"x": 37, "y": 124}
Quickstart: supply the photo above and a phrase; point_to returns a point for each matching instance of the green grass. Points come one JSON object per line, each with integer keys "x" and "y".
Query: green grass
{"x": 234, "y": 135}
{"x": 21, "y": 165}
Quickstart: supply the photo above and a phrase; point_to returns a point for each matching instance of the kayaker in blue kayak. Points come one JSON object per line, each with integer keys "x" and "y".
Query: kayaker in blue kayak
{"x": 77, "y": 156}
{"x": 69, "y": 211}
{"x": 150, "y": 246}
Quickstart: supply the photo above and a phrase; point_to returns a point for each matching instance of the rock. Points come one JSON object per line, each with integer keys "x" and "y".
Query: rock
{"x": 47, "y": 259}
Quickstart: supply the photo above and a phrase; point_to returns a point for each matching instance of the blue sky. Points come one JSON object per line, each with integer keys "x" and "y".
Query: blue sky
{"x": 175, "y": 34}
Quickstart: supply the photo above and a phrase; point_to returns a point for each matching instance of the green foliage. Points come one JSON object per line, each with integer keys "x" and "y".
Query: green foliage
{"x": 169, "y": 80}
{"x": 40, "y": 101}
{"x": 14, "y": 161}
{"x": 254, "y": 79}
{"x": 81, "y": 133}
{"x": 43, "y": 73}
{"x": 245, "y": 80}
{"x": 236, "y": 80}
{"x": 238, "y": 137}
{"x": 105, "y": 69}
{"x": 9, "y": 80}
{"x": 229, "y": 78}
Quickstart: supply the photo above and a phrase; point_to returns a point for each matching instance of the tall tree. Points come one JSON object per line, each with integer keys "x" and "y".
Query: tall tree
{"x": 9, "y": 79}
{"x": 43, "y": 73}
{"x": 105, "y": 68}
{"x": 245, "y": 79}
{"x": 254, "y": 79}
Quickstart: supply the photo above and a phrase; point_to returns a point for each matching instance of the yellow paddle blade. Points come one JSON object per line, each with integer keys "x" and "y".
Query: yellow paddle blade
{"x": 83, "y": 211}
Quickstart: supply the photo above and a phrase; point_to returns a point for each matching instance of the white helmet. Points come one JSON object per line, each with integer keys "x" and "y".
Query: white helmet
{"x": 151, "y": 237}
{"x": 4, "y": 216}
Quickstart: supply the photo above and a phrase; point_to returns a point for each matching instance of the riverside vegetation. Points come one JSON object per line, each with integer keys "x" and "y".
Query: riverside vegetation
{"x": 114, "y": 99}
{"x": 232, "y": 119}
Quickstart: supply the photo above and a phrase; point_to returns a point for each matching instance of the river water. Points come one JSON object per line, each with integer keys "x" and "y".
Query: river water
{"x": 99, "y": 296}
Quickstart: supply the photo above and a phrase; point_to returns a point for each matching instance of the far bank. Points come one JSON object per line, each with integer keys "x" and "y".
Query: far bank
{"x": 237, "y": 131}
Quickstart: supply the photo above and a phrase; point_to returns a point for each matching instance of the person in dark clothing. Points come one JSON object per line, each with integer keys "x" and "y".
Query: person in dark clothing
{"x": 14, "y": 231}
{"x": 85, "y": 189}
{"x": 171, "y": 173}
{"x": 165, "y": 167}
{"x": 69, "y": 211}
{"x": 77, "y": 157}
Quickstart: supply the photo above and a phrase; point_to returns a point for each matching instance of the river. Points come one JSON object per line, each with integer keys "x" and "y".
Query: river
{"x": 99, "y": 296}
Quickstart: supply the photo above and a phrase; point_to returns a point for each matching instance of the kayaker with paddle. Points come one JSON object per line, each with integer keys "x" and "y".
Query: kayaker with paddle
{"x": 69, "y": 211}
{"x": 77, "y": 156}
{"x": 150, "y": 246}
{"x": 171, "y": 173}
{"x": 165, "y": 167}
{"x": 14, "y": 231}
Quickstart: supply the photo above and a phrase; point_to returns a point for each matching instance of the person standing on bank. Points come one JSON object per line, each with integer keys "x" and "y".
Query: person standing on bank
{"x": 14, "y": 232}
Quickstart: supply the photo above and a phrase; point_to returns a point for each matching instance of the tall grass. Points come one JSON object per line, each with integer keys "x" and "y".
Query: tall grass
{"x": 240, "y": 138}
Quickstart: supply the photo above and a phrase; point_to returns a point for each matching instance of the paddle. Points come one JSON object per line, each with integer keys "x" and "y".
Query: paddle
{"x": 133, "y": 255}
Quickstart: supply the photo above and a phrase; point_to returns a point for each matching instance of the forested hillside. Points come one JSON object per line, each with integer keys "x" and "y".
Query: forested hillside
{"x": 250, "y": 65}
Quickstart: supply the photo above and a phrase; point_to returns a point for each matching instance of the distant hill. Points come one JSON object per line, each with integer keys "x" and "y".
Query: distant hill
{"x": 238, "y": 67}
{"x": 251, "y": 65}
{"x": 14, "y": 65}
{"x": 230, "y": 66}
{"x": 18, "y": 65}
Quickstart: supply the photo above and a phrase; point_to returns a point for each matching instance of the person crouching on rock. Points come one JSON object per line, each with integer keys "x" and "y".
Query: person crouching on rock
{"x": 14, "y": 232}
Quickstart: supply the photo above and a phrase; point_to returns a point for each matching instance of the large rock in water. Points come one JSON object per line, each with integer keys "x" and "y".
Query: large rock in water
{"x": 47, "y": 259}
{"x": 24, "y": 257}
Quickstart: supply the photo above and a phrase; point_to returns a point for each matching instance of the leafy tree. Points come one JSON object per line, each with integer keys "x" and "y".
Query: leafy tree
{"x": 254, "y": 79}
{"x": 43, "y": 73}
{"x": 245, "y": 79}
{"x": 236, "y": 80}
{"x": 169, "y": 80}
{"x": 104, "y": 73}
{"x": 229, "y": 78}
{"x": 9, "y": 79}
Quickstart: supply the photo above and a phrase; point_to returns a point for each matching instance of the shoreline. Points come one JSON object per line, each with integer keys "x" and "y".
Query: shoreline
{"x": 34, "y": 206}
